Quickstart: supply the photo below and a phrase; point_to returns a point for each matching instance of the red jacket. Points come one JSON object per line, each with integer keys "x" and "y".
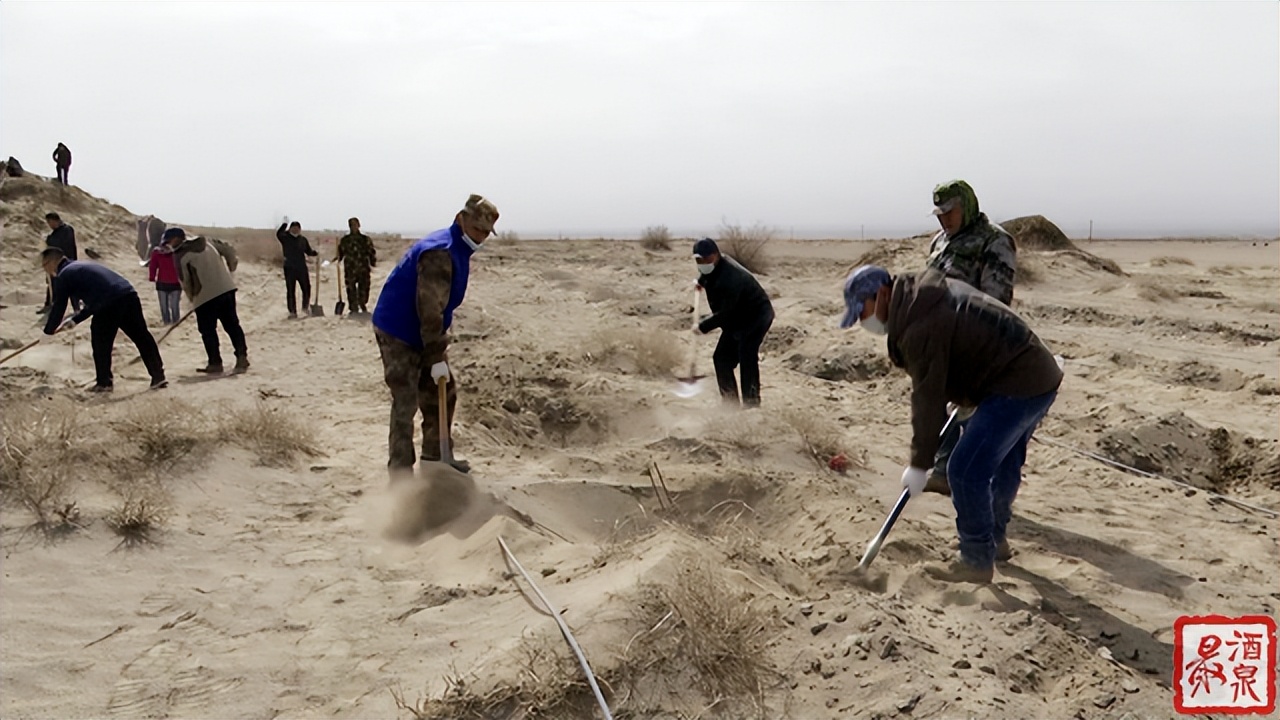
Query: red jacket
{"x": 163, "y": 267}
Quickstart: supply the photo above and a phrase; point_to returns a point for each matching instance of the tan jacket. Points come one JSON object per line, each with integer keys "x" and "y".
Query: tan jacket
{"x": 203, "y": 269}
{"x": 960, "y": 345}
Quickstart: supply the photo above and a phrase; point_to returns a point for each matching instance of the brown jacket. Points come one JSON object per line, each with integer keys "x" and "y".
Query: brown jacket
{"x": 204, "y": 268}
{"x": 961, "y": 346}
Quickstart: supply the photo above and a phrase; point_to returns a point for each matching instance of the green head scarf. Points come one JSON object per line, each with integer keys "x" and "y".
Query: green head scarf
{"x": 968, "y": 199}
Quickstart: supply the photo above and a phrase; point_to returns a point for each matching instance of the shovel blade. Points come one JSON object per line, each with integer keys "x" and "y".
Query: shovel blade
{"x": 340, "y": 308}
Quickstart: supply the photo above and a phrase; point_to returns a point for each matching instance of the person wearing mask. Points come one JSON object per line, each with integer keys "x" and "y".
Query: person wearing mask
{"x": 962, "y": 347}
{"x": 410, "y": 321}
{"x": 742, "y": 311}
{"x": 113, "y": 305}
{"x": 296, "y": 249}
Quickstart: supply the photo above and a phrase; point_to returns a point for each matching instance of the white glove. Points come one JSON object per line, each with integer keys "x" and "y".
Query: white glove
{"x": 439, "y": 370}
{"x": 913, "y": 479}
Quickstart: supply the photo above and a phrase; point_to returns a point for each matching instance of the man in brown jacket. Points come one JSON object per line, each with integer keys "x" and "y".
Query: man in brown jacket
{"x": 963, "y": 347}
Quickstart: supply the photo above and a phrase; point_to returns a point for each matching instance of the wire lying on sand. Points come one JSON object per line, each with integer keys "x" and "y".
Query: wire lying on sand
{"x": 1143, "y": 473}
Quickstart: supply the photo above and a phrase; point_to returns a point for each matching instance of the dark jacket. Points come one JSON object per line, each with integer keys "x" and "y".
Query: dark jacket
{"x": 62, "y": 156}
{"x": 97, "y": 286}
{"x": 737, "y": 301}
{"x": 295, "y": 248}
{"x": 64, "y": 238}
{"x": 960, "y": 345}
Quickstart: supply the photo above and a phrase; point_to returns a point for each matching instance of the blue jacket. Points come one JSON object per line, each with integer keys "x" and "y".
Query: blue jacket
{"x": 397, "y": 310}
{"x": 97, "y": 286}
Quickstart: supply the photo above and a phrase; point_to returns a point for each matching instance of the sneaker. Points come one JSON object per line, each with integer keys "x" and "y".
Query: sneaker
{"x": 210, "y": 369}
{"x": 242, "y": 364}
{"x": 293, "y": 316}
{"x": 937, "y": 483}
{"x": 101, "y": 388}
{"x": 157, "y": 383}
{"x": 959, "y": 571}
{"x": 1004, "y": 553}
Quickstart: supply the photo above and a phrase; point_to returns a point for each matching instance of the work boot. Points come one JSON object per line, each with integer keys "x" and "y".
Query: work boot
{"x": 211, "y": 369}
{"x": 158, "y": 383}
{"x": 1004, "y": 553}
{"x": 44, "y": 310}
{"x": 101, "y": 388}
{"x": 242, "y": 364}
{"x": 959, "y": 571}
{"x": 937, "y": 483}
{"x": 293, "y": 316}
{"x": 460, "y": 465}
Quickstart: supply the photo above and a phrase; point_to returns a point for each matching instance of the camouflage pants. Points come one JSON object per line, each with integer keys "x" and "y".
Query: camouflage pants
{"x": 357, "y": 287}
{"x": 412, "y": 390}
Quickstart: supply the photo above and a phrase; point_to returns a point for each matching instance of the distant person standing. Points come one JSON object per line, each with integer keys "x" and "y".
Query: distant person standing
{"x": 296, "y": 250}
{"x": 163, "y": 271}
{"x": 112, "y": 303}
{"x": 410, "y": 322}
{"x": 62, "y": 237}
{"x": 358, "y": 256}
{"x": 205, "y": 267}
{"x": 972, "y": 249}
{"x": 743, "y": 313}
{"x": 62, "y": 158}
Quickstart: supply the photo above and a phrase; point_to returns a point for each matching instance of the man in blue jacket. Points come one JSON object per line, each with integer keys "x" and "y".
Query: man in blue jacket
{"x": 114, "y": 306}
{"x": 413, "y": 313}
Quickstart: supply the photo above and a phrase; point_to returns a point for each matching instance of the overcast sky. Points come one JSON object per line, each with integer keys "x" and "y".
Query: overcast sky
{"x": 585, "y": 118}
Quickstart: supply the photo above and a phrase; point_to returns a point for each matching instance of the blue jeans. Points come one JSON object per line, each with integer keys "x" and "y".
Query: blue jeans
{"x": 169, "y": 305}
{"x": 985, "y": 471}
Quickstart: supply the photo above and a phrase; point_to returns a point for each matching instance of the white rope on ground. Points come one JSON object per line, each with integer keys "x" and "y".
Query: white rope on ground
{"x": 1143, "y": 473}
{"x": 549, "y": 609}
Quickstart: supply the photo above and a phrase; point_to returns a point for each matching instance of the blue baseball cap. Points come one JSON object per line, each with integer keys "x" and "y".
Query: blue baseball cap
{"x": 861, "y": 285}
{"x": 173, "y": 232}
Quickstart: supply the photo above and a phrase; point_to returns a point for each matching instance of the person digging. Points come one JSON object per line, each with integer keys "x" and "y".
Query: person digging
{"x": 114, "y": 306}
{"x": 741, "y": 309}
{"x": 963, "y": 347}
{"x": 410, "y": 321}
{"x": 204, "y": 270}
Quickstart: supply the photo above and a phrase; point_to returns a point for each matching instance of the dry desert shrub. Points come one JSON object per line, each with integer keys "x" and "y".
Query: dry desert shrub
{"x": 749, "y": 246}
{"x": 749, "y": 432}
{"x": 40, "y": 455}
{"x": 505, "y": 238}
{"x": 656, "y": 237}
{"x": 1154, "y": 290}
{"x": 655, "y": 353}
{"x": 276, "y": 436}
{"x": 141, "y": 512}
{"x": 165, "y": 430}
{"x": 821, "y": 438}
{"x": 1165, "y": 260}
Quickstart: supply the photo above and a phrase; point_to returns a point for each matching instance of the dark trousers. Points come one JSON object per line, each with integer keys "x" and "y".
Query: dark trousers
{"x": 221, "y": 309}
{"x": 123, "y": 314}
{"x": 295, "y": 277}
{"x": 412, "y": 391}
{"x": 986, "y": 470}
{"x": 62, "y": 173}
{"x": 740, "y": 349}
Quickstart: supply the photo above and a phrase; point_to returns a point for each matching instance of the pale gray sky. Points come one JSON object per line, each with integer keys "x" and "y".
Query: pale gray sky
{"x": 577, "y": 118}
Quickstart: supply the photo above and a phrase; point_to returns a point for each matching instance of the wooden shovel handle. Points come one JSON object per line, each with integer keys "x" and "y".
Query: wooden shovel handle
{"x": 19, "y": 351}
{"x": 442, "y": 390}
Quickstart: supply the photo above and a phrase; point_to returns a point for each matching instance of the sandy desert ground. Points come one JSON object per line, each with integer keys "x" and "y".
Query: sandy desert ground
{"x": 268, "y": 589}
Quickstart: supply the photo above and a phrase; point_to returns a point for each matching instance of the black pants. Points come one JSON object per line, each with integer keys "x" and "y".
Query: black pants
{"x": 293, "y": 278}
{"x": 123, "y": 314}
{"x": 62, "y": 173}
{"x": 221, "y": 309}
{"x": 740, "y": 349}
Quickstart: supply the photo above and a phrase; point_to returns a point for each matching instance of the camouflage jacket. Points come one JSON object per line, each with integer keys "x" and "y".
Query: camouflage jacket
{"x": 357, "y": 251}
{"x": 982, "y": 255}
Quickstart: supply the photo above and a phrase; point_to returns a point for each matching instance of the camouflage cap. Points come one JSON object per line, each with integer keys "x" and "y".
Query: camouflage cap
{"x": 956, "y": 193}
{"x": 482, "y": 212}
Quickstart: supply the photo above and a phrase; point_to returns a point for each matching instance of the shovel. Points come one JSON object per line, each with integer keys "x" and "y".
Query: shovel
{"x": 339, "y": 308}
{"x": 316, "y": 310}
{"x": 873, "y": 547}
{"x": 19, "y": 351}
{"x": 689, "y": 385}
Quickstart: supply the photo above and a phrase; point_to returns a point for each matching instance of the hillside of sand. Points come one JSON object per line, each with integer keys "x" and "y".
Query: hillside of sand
{"x": 218, "y": 549}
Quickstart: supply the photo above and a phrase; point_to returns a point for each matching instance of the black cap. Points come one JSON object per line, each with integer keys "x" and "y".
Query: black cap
{"x": 174, "y": 232}
{"x": 705, "y": 247}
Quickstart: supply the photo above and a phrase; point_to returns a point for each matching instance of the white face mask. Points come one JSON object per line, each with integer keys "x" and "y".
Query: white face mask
{"x": 705, "y": 268}
{"x": 874, "y": 326}
{"x": 475, "y": 246}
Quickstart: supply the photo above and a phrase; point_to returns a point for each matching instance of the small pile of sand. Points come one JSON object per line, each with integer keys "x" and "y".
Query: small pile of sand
{"x": 1178, "y": 447}
{"x": 1035, "y": 232}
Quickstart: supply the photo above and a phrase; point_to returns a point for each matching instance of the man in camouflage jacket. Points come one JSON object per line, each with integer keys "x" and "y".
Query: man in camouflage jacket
{"x": 975, "y": 251}
{"x": 356, "y": 252}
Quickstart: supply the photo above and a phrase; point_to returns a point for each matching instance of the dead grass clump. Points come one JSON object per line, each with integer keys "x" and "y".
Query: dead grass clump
{"x": 1154, "y": 290}
{"x": 655, "y": 353}
{"x": 696, "y": 630}
{"x": 656, "y": 237}
{"x": 277, "y": 437}
{"x": 748, "y": 432}
{"x": 506, "y": 238}
{"x": 1164, "y": 260}
{"x": 821, "y": 438}
{"x": 141, "y": 513}
{"x": 165, "y": 430}
{"x": 39, "y": 457}
{"x": 749, "y": 246}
